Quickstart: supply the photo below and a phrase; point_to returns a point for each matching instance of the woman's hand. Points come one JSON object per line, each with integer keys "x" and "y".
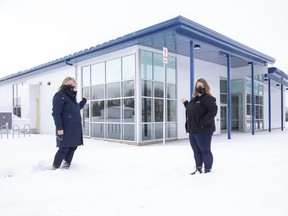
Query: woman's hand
{"x": 86, "y": 96}
{"x": 60, "y": 132}
{"x": 183, "y": 100}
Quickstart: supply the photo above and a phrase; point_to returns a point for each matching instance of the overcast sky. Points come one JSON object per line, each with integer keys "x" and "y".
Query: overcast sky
{"x": 34, "y": 32}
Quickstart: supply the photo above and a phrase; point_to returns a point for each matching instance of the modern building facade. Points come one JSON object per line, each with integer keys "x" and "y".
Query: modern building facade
{"x": 135, "y": 83}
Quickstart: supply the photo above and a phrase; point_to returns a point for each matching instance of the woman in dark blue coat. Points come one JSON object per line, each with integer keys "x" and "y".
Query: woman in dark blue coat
{"x": 67, "y": 118}
{"x": 200, "y": 113}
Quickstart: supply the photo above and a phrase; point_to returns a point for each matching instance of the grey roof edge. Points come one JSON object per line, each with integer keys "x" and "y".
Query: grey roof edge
{"x": 172, "y": 23}
{"x": 278, "y": 72}
{"x": 278, "y": 76}
{"x": 224, "y": 40}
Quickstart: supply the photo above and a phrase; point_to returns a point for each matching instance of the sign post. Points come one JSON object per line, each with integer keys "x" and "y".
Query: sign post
{"x": 165, "y": 61}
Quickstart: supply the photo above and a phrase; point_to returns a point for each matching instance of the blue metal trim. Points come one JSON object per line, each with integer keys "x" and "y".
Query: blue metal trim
{"x": 191, "y": 68}
{"x": 253, "y": 96}
{"x": 229, "y": 96}
{"x": 282, "y": 105}
{"x": 269, "y": 103}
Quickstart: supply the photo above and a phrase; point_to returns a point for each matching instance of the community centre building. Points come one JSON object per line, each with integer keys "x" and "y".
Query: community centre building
{"x": 136, "y": 81}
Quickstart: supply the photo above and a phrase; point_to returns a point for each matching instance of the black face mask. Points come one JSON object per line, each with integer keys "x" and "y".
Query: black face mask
{"x": 200, "y": 90}
{"x": 69, "y": 87}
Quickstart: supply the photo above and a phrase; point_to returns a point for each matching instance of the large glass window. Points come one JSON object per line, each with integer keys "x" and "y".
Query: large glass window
{"x": 98, "y": 73}
{"x": 113, "y": 70}
{"x": 223, "y": 103}
{"x": 113, "y": 90}
{"x": 110, "y": 112}
{"x": 128, "y": 88}
{"x": 128, "y": 67}
{"x": 98, "y": 92}
{"x": 171, "y": 70}
{"x": 154, "y": 78}
{"x": 97, "y": 112}
{"x": 86, "y": 76}
{"x": 86, "y": 113}
{"x": 146, "y": 65}
{"x": 17, "y": 99}
{"x": 158, "y": 69}
{"x": 258, "y": 106}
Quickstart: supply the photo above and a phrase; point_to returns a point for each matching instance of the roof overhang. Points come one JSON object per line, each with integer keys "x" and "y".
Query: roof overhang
{"x": 175, "y": 34}
{"x": 278, "y": 76}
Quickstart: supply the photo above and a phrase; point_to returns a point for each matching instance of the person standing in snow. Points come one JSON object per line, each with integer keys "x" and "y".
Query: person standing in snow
{"x": 67, "y": 119}
{"x": 200, "y": 113}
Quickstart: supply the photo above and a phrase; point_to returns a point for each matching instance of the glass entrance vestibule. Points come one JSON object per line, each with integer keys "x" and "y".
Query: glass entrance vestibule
{"x": 127, "y": 106}
{"x": 241, "y": 105}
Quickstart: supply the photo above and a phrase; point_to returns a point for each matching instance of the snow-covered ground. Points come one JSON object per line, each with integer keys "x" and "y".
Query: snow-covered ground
{"x": 249, "y": 177}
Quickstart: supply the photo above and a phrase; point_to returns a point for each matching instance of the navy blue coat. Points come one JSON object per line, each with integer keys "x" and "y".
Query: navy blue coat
{"x": 67, "y": 117}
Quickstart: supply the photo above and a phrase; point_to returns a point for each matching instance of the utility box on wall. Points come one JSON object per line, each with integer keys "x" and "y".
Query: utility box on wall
{"x": 6, "y": 119}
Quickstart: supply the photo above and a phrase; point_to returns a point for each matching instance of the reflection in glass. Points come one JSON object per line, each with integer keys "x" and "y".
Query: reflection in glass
{"x": 158, "y": 68}
{"x": 113, "y": 90}
{"x": 113, "y": 110}
{"x": 85, "y": 126}
{"x": 171, "y": 130}
{"x": 98, "y": 73}
{"x": 171, "y": 91}
{"x": 158, "y": 110}
{"x": 128, "y": 88}
{"x": 146, "y": 88}
{"x": 158, "y": 89}
{"x": 98, "y": 92}
{"x": 223, "y": 98}
{"x": 146, "y": 65}
{"x": 128, "y": 67}
{"x": 113, "y": 70}
{"x": 223, "y": 86}
{"x": 97, "y": 130}
{"x": 97, "y": 112}
{"x": 158, "y": 131}
{"x": 85, "y": 91}
{"x": 146, "y": 110}
{"x": 171, "y": 110}
{"x": 86, "y": 76}
{"x": 128, "y": 132}
{"x": 86, "y": 111}
{"x": 171, "y": 70}
{"x": 128, "y": 110}
{"x": 146, "y": 132}
{"x": 114, "y": 131}
{"x": 86, "y": 119}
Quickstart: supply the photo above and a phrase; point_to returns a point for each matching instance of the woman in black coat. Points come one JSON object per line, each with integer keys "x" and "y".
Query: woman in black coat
{"x": 200, "y": 113}
{"x": 67, "y": 118}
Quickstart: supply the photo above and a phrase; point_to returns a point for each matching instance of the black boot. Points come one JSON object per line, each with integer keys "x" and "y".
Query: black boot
{"x": 65, "y": 165}
{"x": 207, "y": 170}
{"x": 198, "y": 169}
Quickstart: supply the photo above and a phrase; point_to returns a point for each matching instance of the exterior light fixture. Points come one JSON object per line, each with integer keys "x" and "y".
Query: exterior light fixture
{"x": 197, "y": 46}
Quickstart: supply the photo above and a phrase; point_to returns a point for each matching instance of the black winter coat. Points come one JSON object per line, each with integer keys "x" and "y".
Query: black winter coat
{"x": 67, "y": 117}
{"x": 200, "y": 114}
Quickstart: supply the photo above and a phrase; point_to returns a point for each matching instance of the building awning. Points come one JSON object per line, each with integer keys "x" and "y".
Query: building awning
{"x": 278, "y": 76}
{"x": 175, "y": 34}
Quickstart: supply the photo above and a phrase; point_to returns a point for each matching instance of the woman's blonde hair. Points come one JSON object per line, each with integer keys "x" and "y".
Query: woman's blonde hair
{"x": 68, "y": 78}
{"x": 206, "y": 87}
